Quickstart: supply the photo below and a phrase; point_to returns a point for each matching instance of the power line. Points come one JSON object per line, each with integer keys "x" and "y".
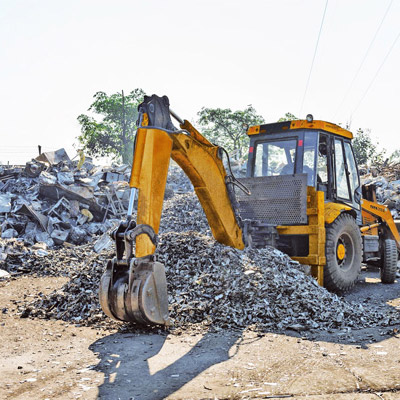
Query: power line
{"x": 363, "y": 60}
{"x": 315, "y": 53}
{"x": 376, "y": 74}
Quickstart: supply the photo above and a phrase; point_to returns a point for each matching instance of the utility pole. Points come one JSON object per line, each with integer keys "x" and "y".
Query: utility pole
{"x": 123, "y": 117}
{"x": 124, "y": 141}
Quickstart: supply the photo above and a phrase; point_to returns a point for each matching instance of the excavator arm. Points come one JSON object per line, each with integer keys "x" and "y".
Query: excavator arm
{"x": 373, "y": 211}
{"x": 133, "y": 287}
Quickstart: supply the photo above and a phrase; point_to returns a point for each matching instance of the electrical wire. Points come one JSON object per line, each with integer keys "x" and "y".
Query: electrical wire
{"x": 315, "y": 53}
{"x": 376, "y": 74}
{"x": 363, "y": 60}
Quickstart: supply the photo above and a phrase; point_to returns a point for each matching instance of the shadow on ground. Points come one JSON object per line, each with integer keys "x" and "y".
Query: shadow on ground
{"x": 130, "y": 372}
{"x": 139, "y": 366}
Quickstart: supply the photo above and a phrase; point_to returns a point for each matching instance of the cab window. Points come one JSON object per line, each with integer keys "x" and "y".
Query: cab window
{"x": 351, "y": 164}
{"x": 322, "y": 162}
{"x": 310, "y": 144}
{"x": 342, "y": 187}
{"x": 275, "y": 157}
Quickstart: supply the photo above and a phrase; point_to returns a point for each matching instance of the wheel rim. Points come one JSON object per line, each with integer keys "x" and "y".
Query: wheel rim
{"x": 345, "y": 251}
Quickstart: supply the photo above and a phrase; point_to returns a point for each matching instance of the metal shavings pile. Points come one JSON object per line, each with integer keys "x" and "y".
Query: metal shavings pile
{"x": 77, "y": 300}
{"x": 184, "y": 213}
{"x": 221, "y": 287}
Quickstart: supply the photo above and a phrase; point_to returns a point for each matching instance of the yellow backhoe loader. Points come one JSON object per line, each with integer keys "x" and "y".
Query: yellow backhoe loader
{"x": 302, "y": 195}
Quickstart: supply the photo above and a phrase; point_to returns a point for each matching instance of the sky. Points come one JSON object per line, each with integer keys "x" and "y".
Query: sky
{"x": 55, "y": 55}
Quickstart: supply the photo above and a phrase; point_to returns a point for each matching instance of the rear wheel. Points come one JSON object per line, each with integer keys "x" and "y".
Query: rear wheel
{"x": 389, "y": 262}
{"x": 343, "y": 253}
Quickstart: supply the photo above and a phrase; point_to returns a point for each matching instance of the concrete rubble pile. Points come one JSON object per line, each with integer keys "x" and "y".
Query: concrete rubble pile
{"x": 387, "y": 182}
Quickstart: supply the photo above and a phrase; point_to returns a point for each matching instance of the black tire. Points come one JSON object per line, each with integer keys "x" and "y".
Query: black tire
{"x": 389, "y": 262}
{"x": 340, "y": 274}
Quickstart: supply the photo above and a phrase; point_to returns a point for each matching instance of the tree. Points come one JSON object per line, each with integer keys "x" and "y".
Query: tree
{"x": 112, "y": 134}
{"x": 364, "y": 150}
{"x": 395, "y": 156}
{"x": 228, "y": 128}
{"x": 287, "y": 117}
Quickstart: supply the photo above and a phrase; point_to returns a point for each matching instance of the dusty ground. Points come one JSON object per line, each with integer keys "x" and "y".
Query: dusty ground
{"x": 54, "y": 360}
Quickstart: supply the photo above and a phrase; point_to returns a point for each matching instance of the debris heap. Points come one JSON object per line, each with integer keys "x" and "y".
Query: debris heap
{"x": 212, "y": 286}
{"x": 387, "y": 185}
{"x": 54, "y": 200}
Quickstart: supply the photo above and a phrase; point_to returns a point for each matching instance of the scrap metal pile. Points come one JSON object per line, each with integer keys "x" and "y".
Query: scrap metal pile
{"x": 210, "y": 286}
{"x": 387, "y": 181}
{"x": 54, "y": 200}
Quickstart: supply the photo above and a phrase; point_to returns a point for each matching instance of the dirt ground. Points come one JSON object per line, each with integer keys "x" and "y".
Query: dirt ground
{"x": 43, "y": 359}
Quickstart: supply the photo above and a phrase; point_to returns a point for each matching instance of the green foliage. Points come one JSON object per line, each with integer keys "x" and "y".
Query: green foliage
{"x": 365, "y": 151}
{"x": 228, "y": 128}
{"x": 287, "y": 117}
{"x": 111, "y": 134}
{"x": 395, "y": 156}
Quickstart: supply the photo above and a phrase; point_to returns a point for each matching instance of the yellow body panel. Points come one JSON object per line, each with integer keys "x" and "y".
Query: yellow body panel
{"x": 304, "y": 124}
{"x": 206, "y": 172}
{"x": 200, "y": 161}
{"x": 321, "y": 125}
{"x": 254, "y": 130}
{"x": 333, "y": 210}
{"x": 315, "y": 231}
{"x": 371, "y": 209}
{"x": 149, "y": 175}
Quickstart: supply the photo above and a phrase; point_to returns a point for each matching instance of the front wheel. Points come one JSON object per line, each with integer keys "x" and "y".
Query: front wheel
{"x": 389, "y": 262}
{"x": 343, "y": 251}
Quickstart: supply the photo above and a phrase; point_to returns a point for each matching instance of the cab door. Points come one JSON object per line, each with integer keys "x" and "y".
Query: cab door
{"x": 347, "y": 181}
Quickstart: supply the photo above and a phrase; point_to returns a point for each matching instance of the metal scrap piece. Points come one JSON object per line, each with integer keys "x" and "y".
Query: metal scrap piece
{"x": 42, "y": 219}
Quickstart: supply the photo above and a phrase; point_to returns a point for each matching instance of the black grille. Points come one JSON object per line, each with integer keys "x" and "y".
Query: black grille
{"x": 277, "y": 200}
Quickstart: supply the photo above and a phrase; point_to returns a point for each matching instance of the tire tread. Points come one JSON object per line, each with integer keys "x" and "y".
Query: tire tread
{"x": 333, "y": 280}
{"x": 389, "y": 264}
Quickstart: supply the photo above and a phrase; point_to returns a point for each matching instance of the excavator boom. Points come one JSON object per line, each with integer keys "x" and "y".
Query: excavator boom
{"x": 133, "y": 287}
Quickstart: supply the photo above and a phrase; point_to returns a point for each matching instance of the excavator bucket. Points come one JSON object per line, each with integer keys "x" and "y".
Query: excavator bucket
{"x": 138, "y": 294}
{"x": 134, "y": 289}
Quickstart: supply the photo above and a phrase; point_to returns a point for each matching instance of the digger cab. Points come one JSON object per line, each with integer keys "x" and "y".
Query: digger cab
{"x": 319, "y": 149}
{"x": 304, "y": 180}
